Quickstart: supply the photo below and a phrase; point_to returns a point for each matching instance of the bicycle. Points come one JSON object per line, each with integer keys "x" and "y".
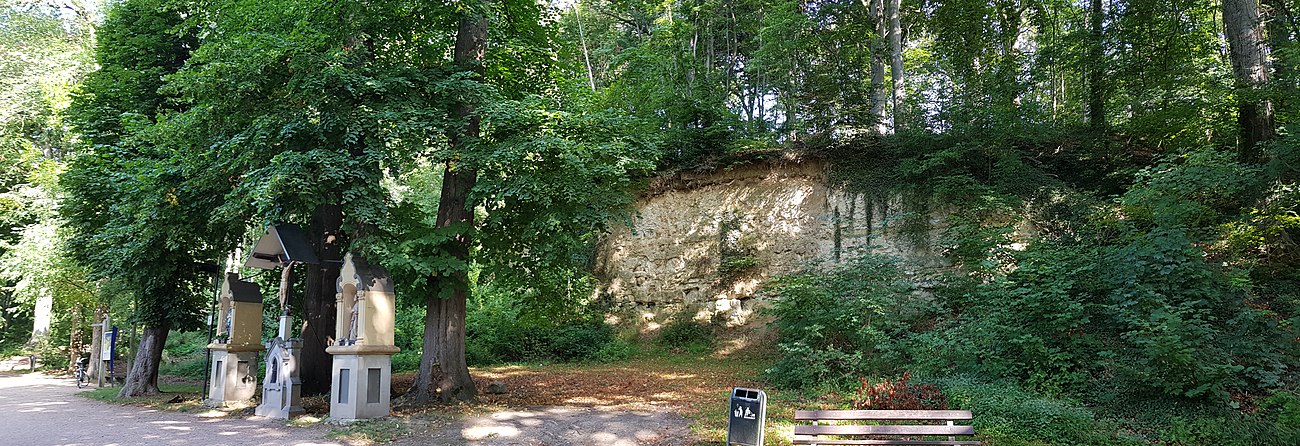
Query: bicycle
{"x": 80, "y": 372}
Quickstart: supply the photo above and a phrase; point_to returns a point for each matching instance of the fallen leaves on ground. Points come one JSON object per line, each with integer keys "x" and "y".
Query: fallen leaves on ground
{"x": 650, "y": 384}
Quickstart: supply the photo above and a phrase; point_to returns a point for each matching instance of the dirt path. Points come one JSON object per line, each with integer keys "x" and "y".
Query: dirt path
{"x": 557, "y": 426}
{"x": 40, "y": 410}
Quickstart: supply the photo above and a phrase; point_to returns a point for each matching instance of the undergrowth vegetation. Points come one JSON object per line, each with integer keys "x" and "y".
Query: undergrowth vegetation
{"x": 1148, "y": 305}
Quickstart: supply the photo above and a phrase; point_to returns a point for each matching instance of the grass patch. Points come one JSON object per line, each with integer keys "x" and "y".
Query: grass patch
{"x": 175, "y": 397}
{"x": 371, "y": 431}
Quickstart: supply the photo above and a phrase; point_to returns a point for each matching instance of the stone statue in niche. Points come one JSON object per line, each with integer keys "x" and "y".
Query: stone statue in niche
{"x": 229, "y": 321}
{"x": 352, "y": 325}
{"x": 237, "y": 343}
{"x": 364, "y": 341}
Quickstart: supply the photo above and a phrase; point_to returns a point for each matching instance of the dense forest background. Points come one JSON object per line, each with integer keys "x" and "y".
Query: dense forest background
{"x": 478, "y": 149}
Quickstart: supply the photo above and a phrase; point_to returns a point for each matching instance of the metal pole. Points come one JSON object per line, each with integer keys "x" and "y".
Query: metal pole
{"x": 212, "y": 310}
{"x": 112, "y": 352}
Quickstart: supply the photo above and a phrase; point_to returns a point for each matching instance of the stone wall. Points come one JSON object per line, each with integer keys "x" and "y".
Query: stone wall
{"x": 705, "y": 242}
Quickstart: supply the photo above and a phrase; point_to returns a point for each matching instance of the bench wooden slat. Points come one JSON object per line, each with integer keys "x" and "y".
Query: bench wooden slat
{"x": 883, "y": 430}
{"x": 882, "y": 415}
{"x": 820, "y": 441}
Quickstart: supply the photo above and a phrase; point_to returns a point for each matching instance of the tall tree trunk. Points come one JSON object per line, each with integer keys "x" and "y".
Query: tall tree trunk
{"x": 1279, "y": 28}
{"x": 76, "y": 345}
{"x": 42, "y": 315}
{"x": 426, "y": 388}
{"x": 96, "y": 339}
{"x": 586, "y": 56}
{"x": 1096, "y": 68}
{"x": 1249, "y": 53}
{"x": 318, "y": 303}
{"x": 455, "y": 383}
{"x": 143, "y": 378}
{"x": 875, "y": 10}
{"x": 899, "y": 77}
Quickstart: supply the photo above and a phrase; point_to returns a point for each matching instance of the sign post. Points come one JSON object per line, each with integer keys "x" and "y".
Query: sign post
{"x": 105, "y": 352}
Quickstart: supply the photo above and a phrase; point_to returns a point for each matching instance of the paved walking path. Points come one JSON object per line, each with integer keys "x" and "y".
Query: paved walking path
{"x": 42, "y": 411}
{"x": 37, "y": 410}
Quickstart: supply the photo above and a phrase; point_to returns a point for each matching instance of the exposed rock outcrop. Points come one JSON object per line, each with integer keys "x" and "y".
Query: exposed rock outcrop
{"x": 705, "y": 242}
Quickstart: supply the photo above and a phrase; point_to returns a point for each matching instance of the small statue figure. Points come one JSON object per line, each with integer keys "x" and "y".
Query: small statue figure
{"x": 229, "y": 320}
{"x": 352, "y": 322}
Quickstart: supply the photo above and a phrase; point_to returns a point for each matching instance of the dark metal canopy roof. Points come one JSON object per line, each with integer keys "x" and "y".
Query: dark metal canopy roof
{"x": 241, "y": 291}
{"x": 283, "y": 243}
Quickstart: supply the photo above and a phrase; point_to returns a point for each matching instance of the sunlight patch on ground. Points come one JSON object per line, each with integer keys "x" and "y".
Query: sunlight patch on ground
{"x": 485, "y": 432}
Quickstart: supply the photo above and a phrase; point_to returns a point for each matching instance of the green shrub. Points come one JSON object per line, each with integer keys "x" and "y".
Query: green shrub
{"x": 616, "y": 350}
{"x": 580, "y": 341}
{"x": 1284, "y": 408}
{"x": 185, "y": 355}
{"x": 1010, "y": 415}
{"x": 409, "y": 327}
{"x": 406, "y": 361}
{"x": 499, "y": 331}
{"x": 840, "y": 323}
{"x": 685, "y": 334}
{"x": 1190, "y": 423}
{"x": 193, "y": 368}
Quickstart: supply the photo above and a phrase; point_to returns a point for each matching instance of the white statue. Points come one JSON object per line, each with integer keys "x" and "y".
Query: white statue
{"x": 353, "y": 321}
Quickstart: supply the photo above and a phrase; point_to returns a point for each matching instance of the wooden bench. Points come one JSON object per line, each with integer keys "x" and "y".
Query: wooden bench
{"x": 883, "y": 434}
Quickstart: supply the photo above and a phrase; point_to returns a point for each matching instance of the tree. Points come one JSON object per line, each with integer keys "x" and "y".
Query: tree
{"x": 445, "y": 318}
{"x": 46, "y": 54}
{"x": 1248, "y": 50}
{"x": 135, "y": 219}
{"x": 897, "y": 74}
{"x": 1096, "y": 67}
{"x": 301, "y": 109}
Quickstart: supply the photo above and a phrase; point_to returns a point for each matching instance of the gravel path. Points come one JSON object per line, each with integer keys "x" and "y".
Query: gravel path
{"x": 558, "y": 426}
{"x": 45, "y": 411}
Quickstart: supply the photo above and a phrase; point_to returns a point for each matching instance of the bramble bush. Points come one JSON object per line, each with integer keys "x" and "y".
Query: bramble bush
{"x": 900, "y": 394}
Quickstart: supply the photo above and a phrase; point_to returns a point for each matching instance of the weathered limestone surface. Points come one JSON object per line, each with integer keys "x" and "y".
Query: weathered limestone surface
{"x": 705, "y": 242}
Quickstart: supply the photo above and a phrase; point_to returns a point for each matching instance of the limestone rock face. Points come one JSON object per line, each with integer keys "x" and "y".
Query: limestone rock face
{"x": 705, "y": 242}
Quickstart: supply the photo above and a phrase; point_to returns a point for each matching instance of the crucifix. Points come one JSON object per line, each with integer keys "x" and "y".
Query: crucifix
{"x": 283, "y": 246}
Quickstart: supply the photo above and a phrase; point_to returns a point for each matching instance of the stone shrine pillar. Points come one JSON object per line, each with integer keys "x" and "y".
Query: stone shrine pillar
{"x": 237, "y": 345}
{"x": 364, "y": 345}
{"x": 281, "y": 389}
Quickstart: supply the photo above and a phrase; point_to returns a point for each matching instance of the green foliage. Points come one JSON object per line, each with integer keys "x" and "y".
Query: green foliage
{"x": 1010, "y": 415}
{"x": 683, "y": 333}
{"x": 1159, "y": 422}
{"x": 1285, "y": 406}
{"x": 131, "y": 206}
{"x": 838, "y": 323}
{"x": 185, "y": 355}
{"x": 406, "y": 361}
{"x": 1198, "y": 189}
{"x": 502, "y": 328}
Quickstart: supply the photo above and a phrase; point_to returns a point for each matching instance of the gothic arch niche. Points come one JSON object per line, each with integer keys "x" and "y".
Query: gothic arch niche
{"x": 237, "y": 344}
{"x": 364, "y": 341}
{"x": 347, "y": 327}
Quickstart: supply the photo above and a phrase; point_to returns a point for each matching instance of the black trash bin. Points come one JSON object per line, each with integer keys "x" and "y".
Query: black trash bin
{"x": 746, "y": 418}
